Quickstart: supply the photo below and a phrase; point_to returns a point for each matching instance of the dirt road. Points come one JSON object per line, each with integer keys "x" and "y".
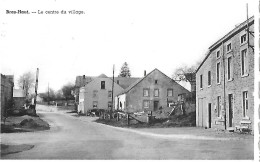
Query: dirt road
{"x": 71, "y": 138}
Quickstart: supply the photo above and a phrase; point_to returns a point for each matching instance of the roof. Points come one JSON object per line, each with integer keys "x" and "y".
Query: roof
{"x": 139, "y": 80}
{"x": 18, "y": 93}
{"x": 102, "y": 76}
{"x": 125, "y": 82}
{"x": 226, "y": 38}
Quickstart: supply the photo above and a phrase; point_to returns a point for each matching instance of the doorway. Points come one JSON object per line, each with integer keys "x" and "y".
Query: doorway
{"x": 155, "y": 105}
{"x": 209, "y": 115}
{"x": 230, "y": 110}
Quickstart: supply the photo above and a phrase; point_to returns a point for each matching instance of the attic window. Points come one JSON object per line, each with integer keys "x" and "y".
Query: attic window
{"x": 229, "y": 47}
{"x": 218, "y": 53}
{"x": 243, "y": 39}
{"x": 103, "y": 85}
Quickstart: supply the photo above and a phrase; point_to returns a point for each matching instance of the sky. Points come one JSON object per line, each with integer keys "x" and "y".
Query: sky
{"x": 147, "y": 34}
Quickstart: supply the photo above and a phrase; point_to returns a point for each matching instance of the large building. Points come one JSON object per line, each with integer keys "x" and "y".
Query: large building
{"x": 225, "y": 81}
{"x": 97, "y": 93}
{"x": 149, "y": 93}
{"x": 7, "y": 84}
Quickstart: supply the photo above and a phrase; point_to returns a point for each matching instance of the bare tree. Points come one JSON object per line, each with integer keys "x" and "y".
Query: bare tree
{"x": 26, "y": 82}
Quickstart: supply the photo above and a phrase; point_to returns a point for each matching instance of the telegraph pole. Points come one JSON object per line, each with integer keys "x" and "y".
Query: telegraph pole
{"x": 113, "y": 89}
{"x": 36, "y": 87}
{"x": 48, "y": 94}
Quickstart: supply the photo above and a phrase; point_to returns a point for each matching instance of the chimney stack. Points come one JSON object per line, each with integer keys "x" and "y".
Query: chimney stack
{"x": 145, "y": 73}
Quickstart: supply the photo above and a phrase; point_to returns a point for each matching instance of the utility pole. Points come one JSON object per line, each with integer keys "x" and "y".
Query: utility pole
{"x": 48, "y": 94}
{"x": 36, "y": 87}
{"x": 113, "y": 89}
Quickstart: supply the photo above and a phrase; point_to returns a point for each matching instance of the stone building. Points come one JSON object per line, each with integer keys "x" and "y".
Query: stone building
{"x": 7, "y": 84}
{"x": 97, "y": 94}
{"x": 149, "y": 93}
{"x": 225, "y": 81}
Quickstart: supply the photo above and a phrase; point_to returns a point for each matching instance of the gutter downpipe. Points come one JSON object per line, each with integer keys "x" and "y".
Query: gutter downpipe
{"x": 224, "y": 89}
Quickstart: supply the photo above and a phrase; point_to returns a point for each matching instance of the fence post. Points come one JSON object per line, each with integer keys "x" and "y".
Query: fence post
{"x": 117, "y": 116}
{"x": 127, "y": 118}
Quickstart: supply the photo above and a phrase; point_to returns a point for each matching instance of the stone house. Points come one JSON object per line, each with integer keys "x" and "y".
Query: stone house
{"x": 225, "y": 81}
{"x": 149, "y": 93}
{"x": 97, "y": 94}
{"x": 7, "y": 84}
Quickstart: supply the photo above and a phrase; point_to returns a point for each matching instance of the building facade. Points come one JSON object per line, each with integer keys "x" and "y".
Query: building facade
{"x": 149, "y": 93}
{"x": 7, "y": 84}
{"x": 225, "y": 81}
{"x": 97, "y": 94}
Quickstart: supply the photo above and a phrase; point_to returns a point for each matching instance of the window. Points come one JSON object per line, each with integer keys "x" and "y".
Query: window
{"x": 180, "y": 97}
{"x": 156, "y": 82}
{"x": 146, "y": 92}
{"x": 209, "y": 78}
{"x": 156, "y": 92}
{"x": 243, "y": 39}
{"x": 244, "y": 63}
{"x": 229, "y": 47}
{"x": 229, "y": 68}
{"x": 109, "y": 94}
{"x": 201, "y": 81}
{"x": 245, "y": 103}
{"x": 117, "y": 81}
{"x": 109, "y": 105}
{"x": 95, "y": 93}
{"x": 218, "y": 53}
{"x": 146, "y": 104}
{"x": 169, "y": 92}
{"x": 218, "y": 105}
{"x": 95, "y": 104}
{"x": 218, "y": 72}
{"x": 103, "y": 85}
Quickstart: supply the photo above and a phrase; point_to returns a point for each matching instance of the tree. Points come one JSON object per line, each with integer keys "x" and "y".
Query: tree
{"x": 26, "y": 82}
{"x": 66, "y": 90}
{"x": 187, "y": 74}
{"x": 125, "y": 71}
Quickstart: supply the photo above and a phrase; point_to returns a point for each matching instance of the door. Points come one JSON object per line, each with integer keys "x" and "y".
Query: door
{"x": 209, "y": 111}
{"x": 230, "y": 110}
{"x": 200, "y": 112}
{"x": 155, "y": 105}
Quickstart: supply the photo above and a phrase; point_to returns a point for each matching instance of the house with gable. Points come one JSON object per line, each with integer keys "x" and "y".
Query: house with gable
{"x": 225, "y": 81}
{"x": 149, "y": 93}
{"x": 97, "y": 93}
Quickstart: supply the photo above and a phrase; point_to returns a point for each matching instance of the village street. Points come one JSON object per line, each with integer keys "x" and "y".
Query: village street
{"x": 81, "y": 138}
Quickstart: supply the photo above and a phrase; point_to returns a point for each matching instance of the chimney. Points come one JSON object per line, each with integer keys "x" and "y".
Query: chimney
{"x": 145, "y": 73}
{"x": 84, "y": 80}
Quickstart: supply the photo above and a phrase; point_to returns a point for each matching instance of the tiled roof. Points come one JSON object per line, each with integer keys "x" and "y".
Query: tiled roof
{"x": 125, "y": 82}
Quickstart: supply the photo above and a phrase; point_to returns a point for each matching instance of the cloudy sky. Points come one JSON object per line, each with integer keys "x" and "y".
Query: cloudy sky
{"x": 146, "y": 34}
